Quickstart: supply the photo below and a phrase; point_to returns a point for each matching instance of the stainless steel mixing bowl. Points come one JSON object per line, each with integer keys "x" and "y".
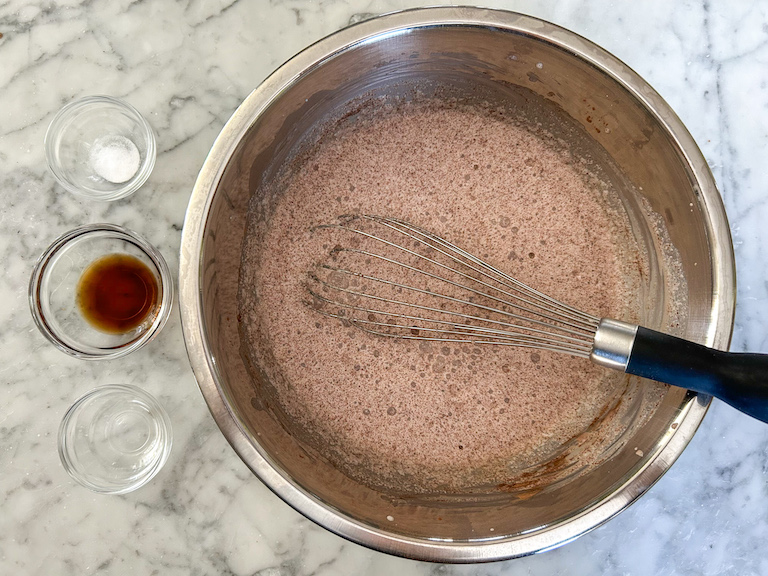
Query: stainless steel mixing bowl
{"x": 462, "y": 47}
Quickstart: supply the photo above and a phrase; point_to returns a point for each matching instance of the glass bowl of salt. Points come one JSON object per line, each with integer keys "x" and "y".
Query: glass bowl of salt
{"x": 100, "y": 148}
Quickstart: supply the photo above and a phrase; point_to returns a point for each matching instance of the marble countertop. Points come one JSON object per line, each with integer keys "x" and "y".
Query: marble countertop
{"x": 187, "y": 65}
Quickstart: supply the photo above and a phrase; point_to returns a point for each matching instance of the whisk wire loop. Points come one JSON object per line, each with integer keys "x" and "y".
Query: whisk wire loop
{"x": 509, "y": 332}
{"x": 457, "y": 296}
{"x": 538, "y": 299}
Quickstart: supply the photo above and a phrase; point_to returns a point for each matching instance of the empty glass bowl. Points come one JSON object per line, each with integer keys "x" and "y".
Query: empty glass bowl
{"x": 88, "y": 313}
{"x": 100, "y": 148}
{"x": 115, "y": 439}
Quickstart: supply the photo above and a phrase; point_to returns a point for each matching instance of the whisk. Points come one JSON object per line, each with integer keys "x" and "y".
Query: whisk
{"x": 394, "y": 279}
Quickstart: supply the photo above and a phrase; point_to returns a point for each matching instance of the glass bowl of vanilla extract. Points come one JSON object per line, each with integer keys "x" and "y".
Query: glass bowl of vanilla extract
{"x": 100, "y": 291}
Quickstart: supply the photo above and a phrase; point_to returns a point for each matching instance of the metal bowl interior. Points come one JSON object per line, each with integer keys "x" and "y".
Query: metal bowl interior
{"x": 462, "y": 47}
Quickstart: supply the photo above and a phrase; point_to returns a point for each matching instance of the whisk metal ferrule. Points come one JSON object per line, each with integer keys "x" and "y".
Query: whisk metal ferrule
{"x": 613, "y": 344}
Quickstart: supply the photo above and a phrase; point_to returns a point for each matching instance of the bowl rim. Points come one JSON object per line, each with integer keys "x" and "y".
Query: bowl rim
{"x": 38, "y": 273}
{"x": 201, "y": 357}
{"x": 121, "y": 190}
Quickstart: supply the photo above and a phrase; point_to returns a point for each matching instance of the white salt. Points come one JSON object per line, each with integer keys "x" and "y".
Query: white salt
{"x": 115, "y": 158}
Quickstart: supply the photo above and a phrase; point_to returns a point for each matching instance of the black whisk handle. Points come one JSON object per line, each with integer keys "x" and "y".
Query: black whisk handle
{"x": 739, "y": 379}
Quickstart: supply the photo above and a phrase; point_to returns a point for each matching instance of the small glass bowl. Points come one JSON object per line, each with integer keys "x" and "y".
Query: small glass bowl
{"x": 85, "y": 126}
{"x": 53, "y": 292}
{"x": 115, "y": 439}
